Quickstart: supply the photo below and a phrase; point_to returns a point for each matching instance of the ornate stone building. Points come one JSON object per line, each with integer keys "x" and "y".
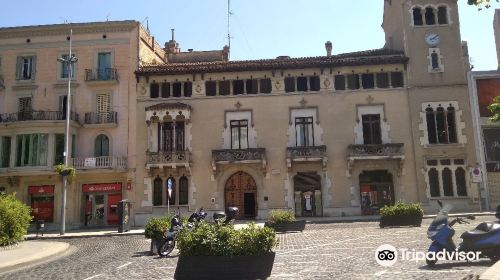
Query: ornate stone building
{"x": 331, "y": 135}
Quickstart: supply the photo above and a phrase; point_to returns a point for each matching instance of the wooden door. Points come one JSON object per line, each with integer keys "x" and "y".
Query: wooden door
{"x": 236, "y": 187}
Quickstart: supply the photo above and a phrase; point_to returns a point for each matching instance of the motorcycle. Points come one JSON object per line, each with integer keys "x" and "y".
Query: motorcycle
{"x": 226, "y": 218}
{"x": 168, "y": 240}
{"x": 196, "y": 217}
{"x": 484, "y": 240}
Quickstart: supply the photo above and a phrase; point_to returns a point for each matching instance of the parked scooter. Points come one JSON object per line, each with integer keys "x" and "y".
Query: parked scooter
{"x": 228, "y": 217}
{"x": 485, "y": 238}
{"x": 168, "y": 240}
{"x": 196, "y": 217}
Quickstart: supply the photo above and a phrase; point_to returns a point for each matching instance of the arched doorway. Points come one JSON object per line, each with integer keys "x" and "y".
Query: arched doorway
{"x": 241, "y": 191}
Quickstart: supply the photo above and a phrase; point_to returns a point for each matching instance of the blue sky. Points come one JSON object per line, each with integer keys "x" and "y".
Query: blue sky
{"x": 260, "y": 28}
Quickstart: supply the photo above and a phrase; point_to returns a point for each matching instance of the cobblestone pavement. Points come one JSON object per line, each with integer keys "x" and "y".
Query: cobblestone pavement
{"x": 322, "y": 251}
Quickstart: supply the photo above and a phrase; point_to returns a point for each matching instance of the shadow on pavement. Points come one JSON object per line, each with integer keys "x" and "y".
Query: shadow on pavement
{"x": 450, "y": 265}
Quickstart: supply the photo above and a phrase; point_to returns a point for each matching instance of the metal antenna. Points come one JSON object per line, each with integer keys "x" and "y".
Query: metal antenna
{"x": 229, "y": 13}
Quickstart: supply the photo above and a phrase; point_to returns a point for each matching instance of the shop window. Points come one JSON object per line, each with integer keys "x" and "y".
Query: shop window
{"x": 251, "y": 86}
{"x": 397, "y": 79}
{"x": 59, "y": 149}
{"x": 5, "y": 142}
{"x": 368, "y": 81}
{"x": 453, "y": 178}
{"x": 211, "y": 88}
{"x": 314, "y": 83}
{"x": 32, "y": 150}
{"x": 177, "y": 89}
{"x": 289, "y": 84}
{"x": 224, "y": 87}
{"x": 265, "y": 86}
{"x": 239, "y": 134}
{"x": 353, "y": 81}
{"x": 441, "y": 125}
{"x": 188, "y": 89}
{"x": 171, "y": 190}
{"x": 430, "y": 17}
{"x": 42, "y": 203}
{"x": 165, "y": 90}
{"x": 157, "y": 191}
{"x": 154, "y": 90}
{"x": 371, "y": 129}
{"x": 183, "y": 190}
{"x": 417, "y": 16}
{"x": 101, "y": 148}
{"x": 382, "y": 80}
{"x": 304, "y": 132}
{"x": 447, "y": 182}
{"x": 491, "y": 138}
{"x": 301, "y": 83}
{"x": 238, "y": 87}
{"x": 434, "y": 182}
{"x": 442, "y": 15}
{"x": 460, "y": 181}
{"x": 339, "y": 82}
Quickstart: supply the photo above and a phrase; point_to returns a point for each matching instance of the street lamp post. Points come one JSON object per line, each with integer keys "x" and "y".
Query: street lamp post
{"x": 67, "y": 62}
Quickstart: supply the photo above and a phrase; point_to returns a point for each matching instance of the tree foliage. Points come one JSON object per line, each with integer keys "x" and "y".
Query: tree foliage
{"x": 480, "y": 3}
{"x": 495, "y": 109}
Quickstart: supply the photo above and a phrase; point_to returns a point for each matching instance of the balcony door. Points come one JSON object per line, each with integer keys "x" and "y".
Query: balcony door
{"x": 101, "y": 146}
{"x": 104, "y": 66}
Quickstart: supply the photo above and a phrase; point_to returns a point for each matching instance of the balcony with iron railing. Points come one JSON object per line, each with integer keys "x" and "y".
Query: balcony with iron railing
{"x": 37, "y": 116}
{"x": 107, "y": 162}
{"x": 374, "y": 151}
{"x": 101, "y": 119}
{"x": 101, "y": 75}
{"x": 168, "y": 159}
{"x": 239, "y": 156}
{"x": 306, "y": 154}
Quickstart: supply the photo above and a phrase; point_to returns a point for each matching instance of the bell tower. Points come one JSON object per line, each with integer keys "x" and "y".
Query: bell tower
{"x": 428, "y": 31}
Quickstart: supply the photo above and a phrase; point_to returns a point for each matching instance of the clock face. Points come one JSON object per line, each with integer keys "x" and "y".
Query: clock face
{"x": 432, "y": 39}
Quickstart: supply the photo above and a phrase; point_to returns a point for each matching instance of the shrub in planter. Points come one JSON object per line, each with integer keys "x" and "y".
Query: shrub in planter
{"x": 222, "y": 252}
{"x": 284, "y": 220}
{"x": 154, "y": 229}
{"x": 401, "y": 214}
{"x": 14, "y": 219}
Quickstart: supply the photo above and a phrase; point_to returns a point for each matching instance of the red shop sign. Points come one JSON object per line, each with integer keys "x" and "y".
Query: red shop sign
{"x": 40, "y": 189}
{"x": 111, "y": 187}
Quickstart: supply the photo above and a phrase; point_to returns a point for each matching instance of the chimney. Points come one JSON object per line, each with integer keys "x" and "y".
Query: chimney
{"x": 225, "y": 53}
{"x": 171, "y": 46}
{"x": 328, "y": 47}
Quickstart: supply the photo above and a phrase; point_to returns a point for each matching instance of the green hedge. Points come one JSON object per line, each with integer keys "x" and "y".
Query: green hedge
{"x": 155, "y": 227}
{"x": 208, "y": 239}
{"x": 14, "y": 219}
{"x": 402, "y": 209}
{"x": 280, "y": 216}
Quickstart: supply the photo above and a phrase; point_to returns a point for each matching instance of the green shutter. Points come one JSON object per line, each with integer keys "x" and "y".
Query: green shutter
{"x": 33, "y": 67}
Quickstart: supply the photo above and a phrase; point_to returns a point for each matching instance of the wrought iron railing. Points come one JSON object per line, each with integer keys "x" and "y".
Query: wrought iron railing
{"x": 101, "y": 74}
{"x": 101, "y": 118}
{"x": 239, "y": 155}
{"x": 166, "y": 157}
{"x": 306, "y": 152}
{"x": 100, "y": 162}
{"x": 37, "y": 116}
{"x": 370, "y": 150}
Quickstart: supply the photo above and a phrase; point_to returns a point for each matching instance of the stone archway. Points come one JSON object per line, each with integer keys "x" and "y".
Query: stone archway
{"x": 241, "y": 191}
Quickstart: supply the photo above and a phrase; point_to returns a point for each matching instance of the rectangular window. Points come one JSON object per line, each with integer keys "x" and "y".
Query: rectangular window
{"x": 238, "y": 87}
{"x": 251, "y": 86}
{"x": 104, "y": 66}
{"x": 177, "y": 89}
{"x": 289, "y": 84}
{"x": 166, "y": 136}
{"x": 179, "y": 136}
{"x": 165, "y": 90}
{"x": 382, "y": 80}
{"x": 339, "y": 82}
{"x": 154, "y": 90}
{"x": 224, "y": 88}
{"x": 210, "y": 88}
{"x": 59, "y": 149}
{"x": 314, "y": 83}
{"x": 32, "y": 149}
{"x": 265, "y": 86}
{"x": 188, "y": 89}
{"x": 368, "y": 81}
{"x": 26, "y": 67}
{"x": 304, "y": 131}
{"x": 5, "y": 151}
{"x": 353, "y": 81}
{"x": 239, "y": 134}
{"x": 64, "y": 68}
{"x": 446, "y": 179}
{"x": 371, "y": 129}
{"x": 302, "y": 84}
{"x": 397, "y": 79}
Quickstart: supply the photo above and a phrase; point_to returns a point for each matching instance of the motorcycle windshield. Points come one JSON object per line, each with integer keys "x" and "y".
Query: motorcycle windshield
{"x": 440, "y": 220}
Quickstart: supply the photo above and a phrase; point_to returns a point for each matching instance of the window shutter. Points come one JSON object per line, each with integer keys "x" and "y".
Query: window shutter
{"x": 103, "y": 103}
{"x": 33, "y": 67}
{"x": 19, "y": 68}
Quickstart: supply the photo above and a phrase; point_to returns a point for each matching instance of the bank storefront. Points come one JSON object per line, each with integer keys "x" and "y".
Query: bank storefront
{"x": 100, "y": 203}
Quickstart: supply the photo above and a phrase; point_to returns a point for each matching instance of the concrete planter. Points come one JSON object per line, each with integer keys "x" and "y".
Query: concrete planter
{"x": 286, "y": 227}
{"x": 401, "y": 220}
{"x": 225, "y": 267}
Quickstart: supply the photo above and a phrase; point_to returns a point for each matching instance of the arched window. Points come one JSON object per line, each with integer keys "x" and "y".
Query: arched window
{"x": 430, "y": 18}
{"x": 431, "y": 125}
{"x": 434, "y": 183}
{"x": 447, "y": 182}
{"x": 417, "y": 16}
{"x": 442, "y": 15}
{"x": 460, "y": 182}
{"x": 171, "y": 196}
{"x": 157, "y": 191}
{"x": 154, "y": 90}
{"x": 450, "y": 119}
{"x": 101, "y": 146}
{"x": 183, "y": 190}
